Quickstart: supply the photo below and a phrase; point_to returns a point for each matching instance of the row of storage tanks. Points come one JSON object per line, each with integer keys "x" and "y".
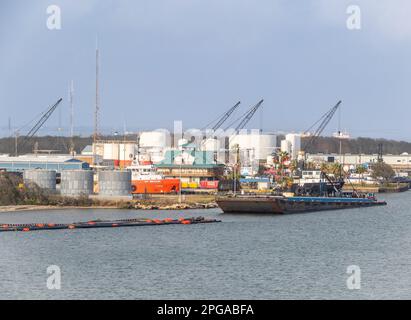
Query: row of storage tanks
{"x": 153, "y": 144}
{"x": 81, "y": 182}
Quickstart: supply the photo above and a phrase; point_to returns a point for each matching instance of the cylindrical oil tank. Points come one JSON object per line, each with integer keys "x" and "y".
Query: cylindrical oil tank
{"x": 295, "y": 141}
{"x": 111, "y": 151}
{"x": 286, "y": 146}
{"x": 155, "y": 139}
{"x": 76, "y": 183}
{"x": 114, "y": 183}
{"x": 210, "y": 144}
{"x": 45, "y": 179}
{"x": 260, "y": 145}
{"x": 127, "y": 151}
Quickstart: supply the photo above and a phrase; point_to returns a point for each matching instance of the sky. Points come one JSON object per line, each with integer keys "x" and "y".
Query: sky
{"x": 190, "y": 60}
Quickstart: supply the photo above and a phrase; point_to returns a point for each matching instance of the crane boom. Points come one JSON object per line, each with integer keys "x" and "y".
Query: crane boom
{"x": 248, "y": 115}
{"x": 325, "y": 119}
{"x": 225, "y": 116}
{"x": 41, "y": 121}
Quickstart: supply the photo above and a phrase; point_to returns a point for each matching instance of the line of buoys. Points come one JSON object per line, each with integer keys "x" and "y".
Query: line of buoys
{"x": 104, "y": 224}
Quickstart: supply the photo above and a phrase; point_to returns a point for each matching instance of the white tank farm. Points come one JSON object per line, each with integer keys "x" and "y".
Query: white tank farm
{"x": 155, "y": 139}
{"x": 76, "y": 183}
{"x": 45, "y": 179}
{"x": 259, "y": 146}
{"x": 114, "y": 183}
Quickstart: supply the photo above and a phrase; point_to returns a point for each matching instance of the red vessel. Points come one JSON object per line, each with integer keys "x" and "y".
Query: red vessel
{"x": 145, "y": 179}
{"x": 155, "y": 186}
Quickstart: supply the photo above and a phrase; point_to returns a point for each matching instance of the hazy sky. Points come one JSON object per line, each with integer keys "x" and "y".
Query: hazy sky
{"x": 189, "y": 60}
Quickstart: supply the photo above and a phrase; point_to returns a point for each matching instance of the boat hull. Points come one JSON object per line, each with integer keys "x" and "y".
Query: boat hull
{"x": 155, "y": 186}
{"x": 281, "y": 205}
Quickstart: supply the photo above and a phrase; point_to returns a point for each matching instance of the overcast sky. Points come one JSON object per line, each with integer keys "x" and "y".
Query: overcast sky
{"x": 189, "y": 60}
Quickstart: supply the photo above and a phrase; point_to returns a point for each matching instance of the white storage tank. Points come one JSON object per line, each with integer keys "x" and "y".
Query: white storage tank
{"x": 286, "y": 146}
{"x": 295, "y": 141}
{"x": 76, "y": 183}
{"x": 111, "y": 151}
{"x": 210, "y": 144}
{"x": 119, "y": 151}
{"x": 114, "y": 183}
{"x": 256, "y": 144}
{"x": 45, "y": 179}
{"x": 155, "y": 139}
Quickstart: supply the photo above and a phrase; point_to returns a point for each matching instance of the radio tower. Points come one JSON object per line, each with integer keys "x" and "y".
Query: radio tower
{"x": 97, "y": 107}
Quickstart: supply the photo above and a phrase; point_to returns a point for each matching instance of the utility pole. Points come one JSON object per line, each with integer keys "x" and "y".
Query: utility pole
{"x": 16, "y": 136}
{"x": 380, "y": 158}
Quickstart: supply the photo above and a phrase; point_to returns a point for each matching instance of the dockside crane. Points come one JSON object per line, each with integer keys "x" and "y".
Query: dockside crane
{"x": 324, "y": 120}
{"x": 223, "y": 118}
{"x": 246, "y": 117}
{"x": 39, "y": 124}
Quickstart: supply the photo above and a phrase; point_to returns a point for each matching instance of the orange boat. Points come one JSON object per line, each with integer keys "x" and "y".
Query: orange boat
{"x": 145, "y": 179}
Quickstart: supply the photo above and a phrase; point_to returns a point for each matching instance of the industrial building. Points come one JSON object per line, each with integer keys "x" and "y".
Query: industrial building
{"x": 37, "y": 161}
{"x": 191, "y": 166}
{"x": 400, "y": 162}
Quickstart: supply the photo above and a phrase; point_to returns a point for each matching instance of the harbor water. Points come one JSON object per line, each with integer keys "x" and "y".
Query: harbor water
{"x": 296, "y": 256}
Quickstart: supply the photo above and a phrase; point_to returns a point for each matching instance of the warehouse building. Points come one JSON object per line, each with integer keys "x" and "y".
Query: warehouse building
{"x": 50, "y": 162}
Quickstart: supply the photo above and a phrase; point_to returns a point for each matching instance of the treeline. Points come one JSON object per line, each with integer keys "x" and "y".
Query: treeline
{"x": 359, "y": 145}
{"x": 322, "y": 144}
{"x": 55, "y": 143}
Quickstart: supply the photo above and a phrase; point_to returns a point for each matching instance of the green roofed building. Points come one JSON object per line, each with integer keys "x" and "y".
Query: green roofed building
{"x": 192, "y": 166}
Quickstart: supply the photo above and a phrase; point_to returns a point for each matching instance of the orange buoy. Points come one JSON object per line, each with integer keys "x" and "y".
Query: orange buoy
{"x": 186, "y": 222}
{"x": 114, "y": 225}
{"x": 51, "y": 225}
{"x": 91, "y": 222}
{"x": 40, "y": 225}
{"x": 25, "y": 229}
{"x": 71, "y": 226}
{"x": 168, "y": 220}
{"x": 181, "y": 219}
{"x": 148, "y": 220}
{"x": 157, "y": 221}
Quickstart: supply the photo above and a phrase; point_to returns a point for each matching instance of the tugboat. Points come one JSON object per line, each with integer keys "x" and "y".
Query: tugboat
{"x": 331, "y": 197}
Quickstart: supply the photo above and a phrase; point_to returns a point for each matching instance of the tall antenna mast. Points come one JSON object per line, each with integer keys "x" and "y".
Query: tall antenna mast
{"x": 71, "y": 93}
{"x": 97, "y": 107}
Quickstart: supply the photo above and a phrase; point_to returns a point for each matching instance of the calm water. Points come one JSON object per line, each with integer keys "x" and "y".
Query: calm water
{"x": 244, "y": 257}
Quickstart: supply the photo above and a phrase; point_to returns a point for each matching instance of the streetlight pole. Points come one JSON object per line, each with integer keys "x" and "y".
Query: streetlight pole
{"x": 181, "y": 168}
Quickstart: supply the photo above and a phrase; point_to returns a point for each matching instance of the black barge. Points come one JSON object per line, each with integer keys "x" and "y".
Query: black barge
{"x": 282, "y": 204}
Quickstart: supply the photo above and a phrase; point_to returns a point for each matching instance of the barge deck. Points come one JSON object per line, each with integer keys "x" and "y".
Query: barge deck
{"x": 281, "y": 204}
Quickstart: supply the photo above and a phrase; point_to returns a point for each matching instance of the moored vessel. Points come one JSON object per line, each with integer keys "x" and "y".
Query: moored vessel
{"x": 282, "y": 204}
{"x": 146, "y": 180}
